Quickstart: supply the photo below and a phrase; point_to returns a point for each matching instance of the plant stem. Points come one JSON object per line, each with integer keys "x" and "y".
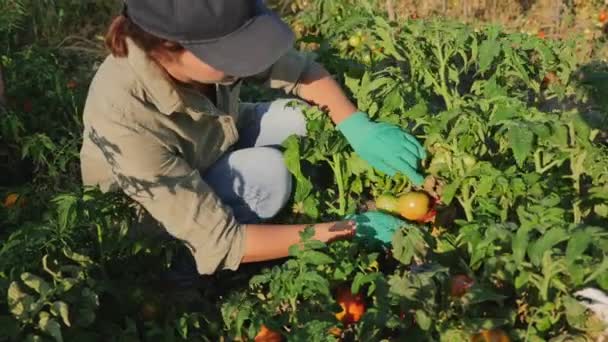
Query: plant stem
{"x": 336, "y": 165}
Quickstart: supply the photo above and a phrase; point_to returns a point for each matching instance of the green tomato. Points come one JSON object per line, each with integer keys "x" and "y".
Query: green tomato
{"x": 354, "y": 41}
{"x": 387, "y": 203}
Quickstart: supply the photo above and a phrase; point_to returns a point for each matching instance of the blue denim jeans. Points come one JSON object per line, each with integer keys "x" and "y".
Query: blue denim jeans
{"x": 252, "y": 179}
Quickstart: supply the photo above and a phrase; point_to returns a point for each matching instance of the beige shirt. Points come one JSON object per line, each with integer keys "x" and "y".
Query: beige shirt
{"x": 152, "y": 139}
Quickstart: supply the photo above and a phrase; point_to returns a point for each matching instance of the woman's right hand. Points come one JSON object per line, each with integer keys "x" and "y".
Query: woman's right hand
{"x": 338, "y": 230}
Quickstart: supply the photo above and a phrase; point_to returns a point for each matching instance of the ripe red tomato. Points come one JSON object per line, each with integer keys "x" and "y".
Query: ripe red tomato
{"x": 460, "y": 285}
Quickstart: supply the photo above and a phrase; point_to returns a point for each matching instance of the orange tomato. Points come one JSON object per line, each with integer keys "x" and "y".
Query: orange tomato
{"x": 460, "y": 285}
{"x": 414, "y": 205}
{"x": 541, "y": 34}
{"x": 494, "y": 335}
{"x": 353, "y": 306}
{"x": 13, "y": 199}
{"x": 603, "y": 17}
{"x": 72, "y": 84}
{"x": 267, "y": 335}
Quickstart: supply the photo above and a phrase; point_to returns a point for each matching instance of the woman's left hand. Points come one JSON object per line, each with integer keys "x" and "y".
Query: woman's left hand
{"x": 386, "y": 147}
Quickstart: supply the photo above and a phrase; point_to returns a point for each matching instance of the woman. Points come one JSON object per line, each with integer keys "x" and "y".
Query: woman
{"x": 163, "y": 124}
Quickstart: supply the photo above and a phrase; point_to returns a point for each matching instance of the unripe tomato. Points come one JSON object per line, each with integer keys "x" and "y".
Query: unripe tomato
{"x": 494, "y": 335}
{"x": 367, "y": 59}
{"x": 387, "y": 203}
{"x": 267, "y": 335}
{"x": 460, "y": 285}
{"x": 354, "y": 41}
{"x": 353, "y": 306}
{"x": 414, "y": 205}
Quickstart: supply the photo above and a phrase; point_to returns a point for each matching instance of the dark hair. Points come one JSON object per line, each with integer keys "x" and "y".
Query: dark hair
{"x": 122, "y": 28}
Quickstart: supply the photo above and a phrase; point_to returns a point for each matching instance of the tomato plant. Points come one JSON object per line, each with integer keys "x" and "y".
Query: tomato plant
{"x": 509, "y": 223}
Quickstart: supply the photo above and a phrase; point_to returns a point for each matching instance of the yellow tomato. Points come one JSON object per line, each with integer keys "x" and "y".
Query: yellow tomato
{"x": 414, "y": 205}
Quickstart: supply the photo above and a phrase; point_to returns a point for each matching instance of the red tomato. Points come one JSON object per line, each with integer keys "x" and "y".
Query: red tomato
{"x": 460, "y": 285}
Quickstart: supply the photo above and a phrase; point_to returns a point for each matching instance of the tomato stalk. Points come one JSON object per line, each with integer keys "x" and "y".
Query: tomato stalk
{"x": 466, "y": 201}
{"x": 442, "y": 85}
{"x": 577, "y": 158}
{"x": 538, "y": 163}
{"x": 336, "y": 166}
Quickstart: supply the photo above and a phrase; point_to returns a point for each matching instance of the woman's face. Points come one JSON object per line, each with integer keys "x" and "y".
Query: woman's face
{"x": 187, "y": 68}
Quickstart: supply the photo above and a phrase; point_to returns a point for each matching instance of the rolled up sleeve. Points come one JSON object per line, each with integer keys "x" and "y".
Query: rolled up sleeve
{"x": 174, "y": 194}
{"x": 287, "y": 72}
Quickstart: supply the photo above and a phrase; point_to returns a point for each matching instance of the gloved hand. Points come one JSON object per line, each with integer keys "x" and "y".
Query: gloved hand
{"x": 386, "y": 147}
{"x": 376, "y": 226}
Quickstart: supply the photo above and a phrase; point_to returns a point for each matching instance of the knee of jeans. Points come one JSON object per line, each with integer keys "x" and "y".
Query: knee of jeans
{"x": 294, "y": 110}
{"x": 277, "y": 185}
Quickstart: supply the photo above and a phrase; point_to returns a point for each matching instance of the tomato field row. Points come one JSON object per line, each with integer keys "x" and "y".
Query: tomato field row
{"x": 516, "y": 131}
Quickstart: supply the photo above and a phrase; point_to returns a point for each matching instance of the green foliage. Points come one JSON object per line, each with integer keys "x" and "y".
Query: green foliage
{"x": 522, "y": 158}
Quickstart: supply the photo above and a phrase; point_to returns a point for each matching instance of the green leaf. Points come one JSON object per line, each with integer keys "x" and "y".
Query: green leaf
{"x": 316, "y": 258}
{"x": 81, "y": 259}
{"x": 521, "y": 141}
{"x": 599, "y": 271}
{"x": 19, "y": 302}
{"x": 545, "y": 243}
{"x": 449, "y": 191}
{"x": 489, "y": 49}
{"x": 61, "y": 309}
{"x": 520, "y": 244}
{"x": 579, "y": 241}
{"x": 8, "y": 327}
{"x": 575, "y": 313}
{"x": 409, "y": 244}
{"x": 36, "y": 283}
{"x": 423, "y": 320}
{"x": 50, "y": 326}
{"x": 479, "y": 294}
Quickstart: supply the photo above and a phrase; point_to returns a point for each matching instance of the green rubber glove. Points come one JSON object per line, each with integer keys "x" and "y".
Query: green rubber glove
{"x": 376, "y": 226}
{"x": 386, "y": 147}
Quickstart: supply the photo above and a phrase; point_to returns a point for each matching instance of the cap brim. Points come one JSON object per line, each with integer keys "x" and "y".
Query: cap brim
{"x": 248, "y": 51}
